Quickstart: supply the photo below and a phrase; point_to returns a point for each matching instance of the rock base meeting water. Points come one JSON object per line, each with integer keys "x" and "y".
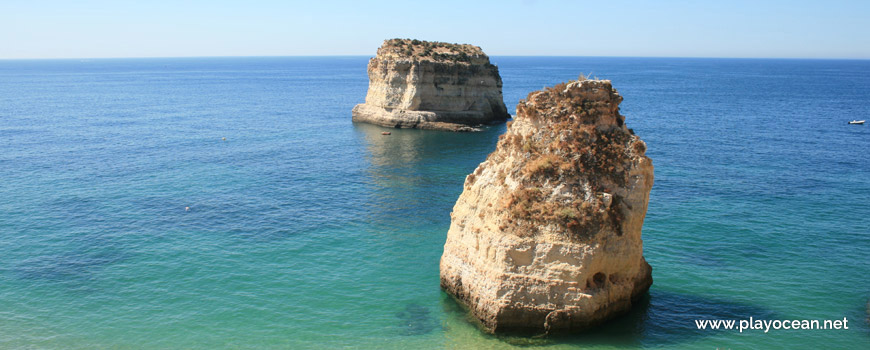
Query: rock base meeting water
{"x": 432, "y": 85}
{"x": 546, "y": 236}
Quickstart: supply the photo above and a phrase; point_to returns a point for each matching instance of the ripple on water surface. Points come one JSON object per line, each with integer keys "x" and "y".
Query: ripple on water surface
{"x": 307, "y": 231}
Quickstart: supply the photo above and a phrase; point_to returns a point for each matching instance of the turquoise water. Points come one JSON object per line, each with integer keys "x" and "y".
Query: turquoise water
{"x": 307, "y": 231}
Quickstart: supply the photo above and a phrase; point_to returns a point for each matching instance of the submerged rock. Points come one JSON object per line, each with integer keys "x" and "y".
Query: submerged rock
{"x": 416, "y": 319}
{"x": 546, "y": 236}
{"x": 431, "y": 85}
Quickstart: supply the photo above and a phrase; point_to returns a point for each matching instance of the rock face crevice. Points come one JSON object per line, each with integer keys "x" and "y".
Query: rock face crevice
{"x": 546, "y": 236}
{"x": 431, "y": 85}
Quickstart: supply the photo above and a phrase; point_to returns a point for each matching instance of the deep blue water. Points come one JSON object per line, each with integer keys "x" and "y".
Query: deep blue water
{"x": 307, "y": 231}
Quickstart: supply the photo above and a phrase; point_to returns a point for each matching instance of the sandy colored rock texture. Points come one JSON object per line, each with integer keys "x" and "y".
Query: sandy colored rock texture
{"x": 546, "y": 236}
{"x": 431, "y": 85}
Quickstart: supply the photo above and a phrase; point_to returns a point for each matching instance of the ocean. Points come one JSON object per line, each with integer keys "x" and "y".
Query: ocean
{"x": 208, "y": 203}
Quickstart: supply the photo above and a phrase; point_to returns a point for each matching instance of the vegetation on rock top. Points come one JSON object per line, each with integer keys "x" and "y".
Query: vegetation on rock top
{"x": 432, "y": 50}
{"x": 581, "y": 147}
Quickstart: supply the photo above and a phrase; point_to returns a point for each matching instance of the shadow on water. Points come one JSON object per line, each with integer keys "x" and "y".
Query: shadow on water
{"x": 660, "y": 318}
{"x": 416, "y": 319}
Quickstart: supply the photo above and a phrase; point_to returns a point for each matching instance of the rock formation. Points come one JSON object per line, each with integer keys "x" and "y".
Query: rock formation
{"x": 546, "y": 236}
{"x": 431, "y": 85}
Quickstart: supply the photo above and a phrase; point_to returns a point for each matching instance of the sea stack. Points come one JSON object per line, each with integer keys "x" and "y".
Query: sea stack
{"x": 546, "y": 236}
{"x": 431, "y": 85}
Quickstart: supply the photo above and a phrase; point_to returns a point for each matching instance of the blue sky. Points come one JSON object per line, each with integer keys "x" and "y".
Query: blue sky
{"x": 157, "y": 28}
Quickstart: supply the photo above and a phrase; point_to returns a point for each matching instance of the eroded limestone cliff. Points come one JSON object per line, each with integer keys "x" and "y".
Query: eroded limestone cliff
{"x": 431, "y": 85}
{"x": 546, "y": 236}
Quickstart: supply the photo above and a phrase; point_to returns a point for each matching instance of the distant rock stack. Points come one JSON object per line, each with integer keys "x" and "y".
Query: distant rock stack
{"x": 431, "y": 85}
{"x": 546, "y": 236}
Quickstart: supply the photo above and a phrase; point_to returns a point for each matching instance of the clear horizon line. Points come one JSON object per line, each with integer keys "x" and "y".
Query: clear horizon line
{"x": 353, "y": 55}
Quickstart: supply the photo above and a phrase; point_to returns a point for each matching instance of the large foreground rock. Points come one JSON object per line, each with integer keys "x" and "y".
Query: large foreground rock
{"x": 546, "y": 236}
{"x": 431, "y": 85}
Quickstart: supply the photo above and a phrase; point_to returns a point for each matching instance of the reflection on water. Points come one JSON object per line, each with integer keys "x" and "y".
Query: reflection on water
{"x": 417, "y": 149}
{"x": 417, "y": 175}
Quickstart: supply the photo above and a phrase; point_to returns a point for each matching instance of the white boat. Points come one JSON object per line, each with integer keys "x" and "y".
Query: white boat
{"x": 856, "y": 122}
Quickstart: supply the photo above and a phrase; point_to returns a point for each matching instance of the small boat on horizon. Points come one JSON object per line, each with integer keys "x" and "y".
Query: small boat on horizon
{"x": 856, "y": 122}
